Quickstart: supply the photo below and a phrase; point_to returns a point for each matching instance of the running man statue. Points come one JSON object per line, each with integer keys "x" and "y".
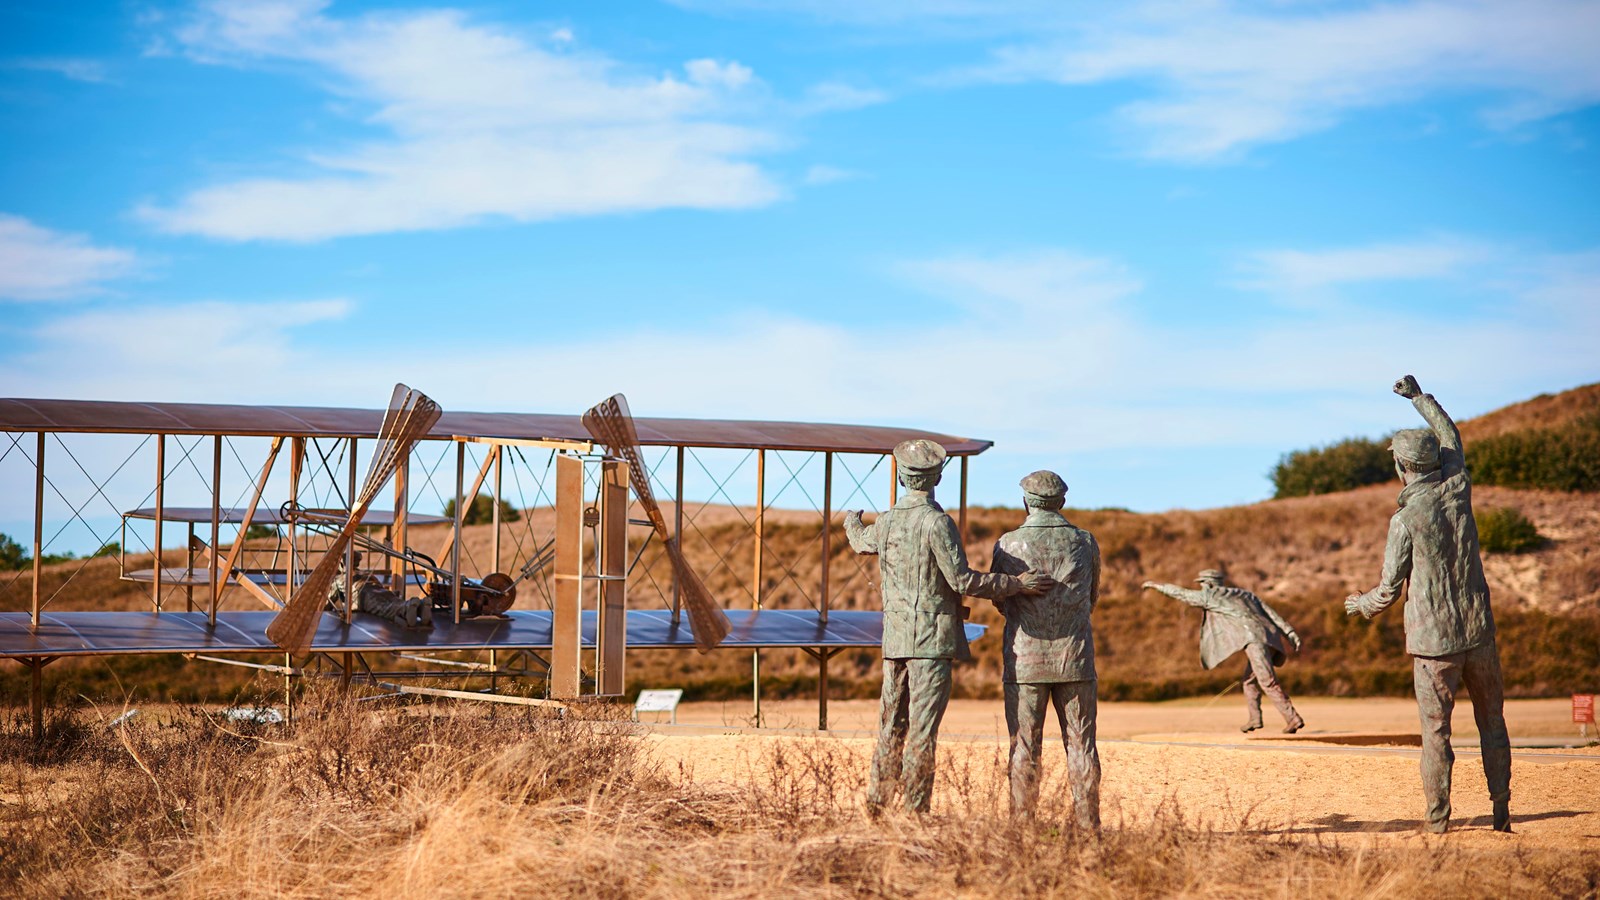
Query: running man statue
{"x": 1049, "y": 648}
{"x": 923, "y": 573}
{"x": 1433, "y": 545}
{"x": 1234, "y": 620}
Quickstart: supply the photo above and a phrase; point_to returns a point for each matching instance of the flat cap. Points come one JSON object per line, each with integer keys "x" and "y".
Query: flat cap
{"x": 1417, "y": 446}
{"x": 1210, "y": 575}
{"x": 1044, "y": 483}
{"x": 919, "y": 457}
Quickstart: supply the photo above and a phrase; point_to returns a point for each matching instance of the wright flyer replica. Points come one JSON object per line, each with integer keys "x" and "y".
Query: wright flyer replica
{"x": 284, "y": 555}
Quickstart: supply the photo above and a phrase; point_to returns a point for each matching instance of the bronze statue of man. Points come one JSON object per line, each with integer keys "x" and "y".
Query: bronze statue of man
{"x": 374, "y": 599}
{"x": 923, "y": 573}
{"x": 1236, "y": 619}
{"x": 1049, "y": 648}
{"x": 1433, "y": 545}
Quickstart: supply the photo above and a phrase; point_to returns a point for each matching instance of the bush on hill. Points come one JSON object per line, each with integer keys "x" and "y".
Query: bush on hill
{"x": 1343, "y": 466}
{"x": 1563, "y": 458}
{"x": 481, "y": 511}
{"x": 1502, "y": 529}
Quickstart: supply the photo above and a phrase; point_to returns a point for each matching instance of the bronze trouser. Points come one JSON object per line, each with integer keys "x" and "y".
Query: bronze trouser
{"x": 1259, "y": 678}
{"x": 915, "y": 694}
{"x": 1438, "y": 678}
{"x": 1075, "y": 706}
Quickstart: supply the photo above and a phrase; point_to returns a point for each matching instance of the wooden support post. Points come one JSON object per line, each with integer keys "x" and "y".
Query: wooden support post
{"x": 760, "y": 523}
{"x": 827, "y": 530}
{"x": 822, "y": 688}
{"x": 38, "y": 530}
{"x": 161, "y": 483}
{"x": 761, "y": 541}
{"x": 350, "y": 548}
{"x": 455, "y": 530}
{"x": 827, "y": 564}
{"x": 962, "y": 524}
{"x": 297, "y": 455}
{"x": 677, "y": 535}
{"x": 216, "y": 523}
{"x": 566, "y": 636}
{"x": 894, "y": 481}
{"x": 288, "y": 688}
{"x": 499, "y": 456}
{"x": 402, "y": 499}
{"x": 611, "y": 642}
{"x": 188, "y": 587}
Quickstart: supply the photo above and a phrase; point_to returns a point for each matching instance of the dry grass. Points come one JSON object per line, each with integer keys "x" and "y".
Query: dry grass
{"x": 358, "y": 801}
{"x": 1543, "y": 411}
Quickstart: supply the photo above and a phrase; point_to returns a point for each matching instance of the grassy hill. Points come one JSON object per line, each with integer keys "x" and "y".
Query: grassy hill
{"x": 1302, "y": 555}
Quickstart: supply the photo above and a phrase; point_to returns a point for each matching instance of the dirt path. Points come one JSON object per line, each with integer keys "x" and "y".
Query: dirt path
{"x": 1215, "y": 718}
{"x": 1175, "y": 754}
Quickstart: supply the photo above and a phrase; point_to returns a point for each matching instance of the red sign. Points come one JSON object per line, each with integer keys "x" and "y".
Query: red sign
{"x": 1583, "y": 709}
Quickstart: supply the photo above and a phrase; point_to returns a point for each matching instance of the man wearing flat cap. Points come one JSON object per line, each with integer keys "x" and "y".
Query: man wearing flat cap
{"x": 923, "y": 574}
{"x": 1433, "y": 545}
{"x": 1234, "y": 619}
{"x": 1049, "y": 648}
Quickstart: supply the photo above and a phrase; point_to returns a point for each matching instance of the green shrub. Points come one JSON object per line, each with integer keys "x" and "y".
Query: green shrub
{"x": 1564, "y": 458}
{"x": 1502, "y": 529}
{"x": 481, "y": 511}
{"x": 1350, "y": 463}
{"x": 12, "y": 556}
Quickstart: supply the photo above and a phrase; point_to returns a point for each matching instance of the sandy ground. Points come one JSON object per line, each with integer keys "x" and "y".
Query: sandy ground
{"x": 1353, "y": 780}
{"x": 1213, "y": 719}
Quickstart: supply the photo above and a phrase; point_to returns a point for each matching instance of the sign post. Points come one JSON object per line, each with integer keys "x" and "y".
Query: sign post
{"x": 1583, "y": 712}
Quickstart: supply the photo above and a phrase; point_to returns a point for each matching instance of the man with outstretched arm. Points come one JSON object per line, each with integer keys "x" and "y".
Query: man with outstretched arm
{"x": 1049, "y": 648}
{"x": 1433, "y": 545}
{"x": 1236, "y": 619}
{"x": 923, "y": 574}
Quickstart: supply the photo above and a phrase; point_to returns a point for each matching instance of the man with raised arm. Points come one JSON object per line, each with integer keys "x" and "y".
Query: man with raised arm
{"x": 1234, "y": 620}
{"x": 1433, "y": 545}
{"x": 1049, "y": 648}
{"x": 923, "y": 573}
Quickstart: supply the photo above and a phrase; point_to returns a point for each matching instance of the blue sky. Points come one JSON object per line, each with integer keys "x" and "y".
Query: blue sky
{"x": 1149, "y": 245}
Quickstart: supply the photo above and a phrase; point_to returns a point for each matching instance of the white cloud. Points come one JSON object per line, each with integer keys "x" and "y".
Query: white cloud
{"x": 714, "y": 73}
{"x": 836, "y": 96}
{"x": 37, "y": 263}
{"x": 1045, "y": 281}
{"x": 483, "y": 124}
{"x": 1048, "y": 352}
{"x": 91, "y": 71}
{"x": 898, "y": 13}
{"x": 1231, "y": 75}
{"x": 214, "y": 350}
{"x": 1291, "y": 273}
{"x": 820, "y": 174}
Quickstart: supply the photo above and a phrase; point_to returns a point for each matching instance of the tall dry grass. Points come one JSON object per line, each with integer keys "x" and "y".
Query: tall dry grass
{"x": 359, "y": 800}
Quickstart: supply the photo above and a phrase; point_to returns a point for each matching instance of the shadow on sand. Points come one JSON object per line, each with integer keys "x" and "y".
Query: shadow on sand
{"x": 1339, "y": 823}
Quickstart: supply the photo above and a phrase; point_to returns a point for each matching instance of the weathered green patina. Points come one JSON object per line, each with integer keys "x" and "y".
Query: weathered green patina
{"x": 1433, "y": 547}
{"x": 922, "y": 574}
{"x": 1236, "y": 619}
{"x": 1049, "y": 648}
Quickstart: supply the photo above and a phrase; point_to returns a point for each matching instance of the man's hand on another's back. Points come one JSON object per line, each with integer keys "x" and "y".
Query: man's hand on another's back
{"x": 1036, "y": 583}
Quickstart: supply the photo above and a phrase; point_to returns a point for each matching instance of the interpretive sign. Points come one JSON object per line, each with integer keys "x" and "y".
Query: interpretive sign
{"x": 658, "y": 702}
